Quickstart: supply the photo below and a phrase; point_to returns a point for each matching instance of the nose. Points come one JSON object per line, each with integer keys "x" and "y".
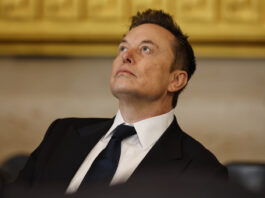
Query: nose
{"x": 128, "y": 57}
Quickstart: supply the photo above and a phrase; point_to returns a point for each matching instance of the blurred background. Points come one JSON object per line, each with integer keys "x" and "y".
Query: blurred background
{"x": 56, "y": 58}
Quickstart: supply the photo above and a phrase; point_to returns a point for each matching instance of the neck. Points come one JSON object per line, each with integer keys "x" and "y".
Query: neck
{"x": 136, "y": 111}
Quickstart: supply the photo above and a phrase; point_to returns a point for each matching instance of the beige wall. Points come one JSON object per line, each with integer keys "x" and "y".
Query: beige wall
{"x": 223, "y": 107}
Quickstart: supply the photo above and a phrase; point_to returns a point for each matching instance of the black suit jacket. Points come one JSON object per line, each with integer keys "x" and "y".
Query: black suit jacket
{"x": 68, "y": 141}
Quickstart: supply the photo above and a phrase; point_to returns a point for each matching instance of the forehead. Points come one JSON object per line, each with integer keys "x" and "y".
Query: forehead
{"x": 155, "y": 33}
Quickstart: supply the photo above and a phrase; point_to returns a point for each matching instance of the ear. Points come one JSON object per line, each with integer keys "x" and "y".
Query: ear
{"x": 178, "y": 80}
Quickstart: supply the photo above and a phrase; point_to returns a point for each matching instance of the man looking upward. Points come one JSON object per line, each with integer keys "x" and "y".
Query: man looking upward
{"x": 154, "y": 63}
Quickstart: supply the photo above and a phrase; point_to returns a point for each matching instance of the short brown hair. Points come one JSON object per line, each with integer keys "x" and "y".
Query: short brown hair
{"x": 184, "y": 55}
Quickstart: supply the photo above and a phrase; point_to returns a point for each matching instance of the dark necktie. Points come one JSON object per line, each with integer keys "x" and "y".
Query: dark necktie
{"x": 104, "y": 166}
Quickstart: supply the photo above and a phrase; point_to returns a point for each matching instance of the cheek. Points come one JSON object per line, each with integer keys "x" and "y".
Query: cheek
{"x": 157, "y": 76}
{"x": 115, "y": 65}
{"x": 154, "y": 72}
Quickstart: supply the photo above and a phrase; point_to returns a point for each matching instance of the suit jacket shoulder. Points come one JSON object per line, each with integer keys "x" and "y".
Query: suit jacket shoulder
{"x": 196, "y": 150}
{"x": 176, "y": 154}
{"x": 62, "y": 150}
{"x": 203, "y": 162}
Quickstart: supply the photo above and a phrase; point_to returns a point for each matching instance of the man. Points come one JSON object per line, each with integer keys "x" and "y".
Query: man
{"x": 154, "y": 63}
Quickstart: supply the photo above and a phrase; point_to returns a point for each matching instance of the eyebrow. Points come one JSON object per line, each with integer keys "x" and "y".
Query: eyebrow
{"x": 123, "y": 41}
{"x": 142, "y": 42}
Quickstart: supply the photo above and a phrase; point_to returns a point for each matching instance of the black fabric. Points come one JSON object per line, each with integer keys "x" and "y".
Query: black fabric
{"x": 104, "y": 166}
{"x": 68, "y": 142}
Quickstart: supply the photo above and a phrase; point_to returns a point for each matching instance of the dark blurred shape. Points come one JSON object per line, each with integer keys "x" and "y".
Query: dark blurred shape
{"x": 251, "y": 176}
{"x": 11, "y": 167}
{"x": 147, "y": 186}
{"x": 4, "y": 177}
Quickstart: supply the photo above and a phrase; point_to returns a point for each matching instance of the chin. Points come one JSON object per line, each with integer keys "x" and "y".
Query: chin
{"x": 119, "y": 92}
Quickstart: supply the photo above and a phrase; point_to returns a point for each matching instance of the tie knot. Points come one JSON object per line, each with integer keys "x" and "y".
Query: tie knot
{"x": 123, "y": 131}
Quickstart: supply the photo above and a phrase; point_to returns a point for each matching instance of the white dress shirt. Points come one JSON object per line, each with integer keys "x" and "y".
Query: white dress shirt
{"x": 133, "y": 148}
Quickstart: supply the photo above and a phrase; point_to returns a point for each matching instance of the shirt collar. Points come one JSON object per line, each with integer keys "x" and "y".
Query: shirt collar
{"x": 117, "y": 121}
{"x": 148, "y": 130}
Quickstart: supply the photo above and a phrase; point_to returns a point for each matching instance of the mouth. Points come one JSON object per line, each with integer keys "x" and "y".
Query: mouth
{"x": 124, "y": 71}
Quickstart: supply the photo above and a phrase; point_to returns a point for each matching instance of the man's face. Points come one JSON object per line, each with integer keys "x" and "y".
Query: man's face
{"x": 142, "y": 66}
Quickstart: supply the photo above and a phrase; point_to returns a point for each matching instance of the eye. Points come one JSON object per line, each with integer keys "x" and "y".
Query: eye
{"x": 122, "y": 48}
{"x": 146, "y": 49}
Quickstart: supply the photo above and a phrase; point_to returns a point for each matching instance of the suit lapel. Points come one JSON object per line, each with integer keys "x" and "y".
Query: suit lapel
{"x": 89, "y": 136}
{"x": 165, "y": 154}
{"x": 70, "y": 152}
{"x": 92, "y": 133}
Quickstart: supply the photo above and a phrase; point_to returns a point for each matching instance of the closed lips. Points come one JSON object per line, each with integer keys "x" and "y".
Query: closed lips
{"x": 124, "y": 71}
